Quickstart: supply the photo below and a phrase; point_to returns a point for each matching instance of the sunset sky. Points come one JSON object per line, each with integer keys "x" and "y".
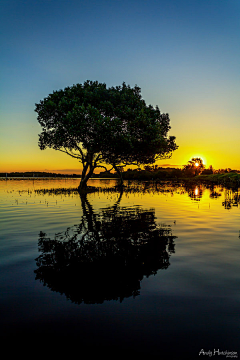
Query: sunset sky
{"x": 184, "y": 55}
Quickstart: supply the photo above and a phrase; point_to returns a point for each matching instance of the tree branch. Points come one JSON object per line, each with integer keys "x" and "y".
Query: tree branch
{"x": 66, "y": 152}
{"x": 80, "y": 150}
{"x": 102, "y": 166}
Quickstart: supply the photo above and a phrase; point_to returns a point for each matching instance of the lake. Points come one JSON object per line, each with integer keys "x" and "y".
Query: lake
{"x": 154, "y": 270}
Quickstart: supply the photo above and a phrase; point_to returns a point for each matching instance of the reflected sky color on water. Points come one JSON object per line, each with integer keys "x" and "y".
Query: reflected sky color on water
{"x": 132, "y": 272}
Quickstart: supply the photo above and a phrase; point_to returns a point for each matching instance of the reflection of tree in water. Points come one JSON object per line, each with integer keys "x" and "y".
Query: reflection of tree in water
{"x": 105, "y": 256}
{"x": 214, "y": 194}
{"x": 194, "y": 192}
{"x": 232, "y": 198}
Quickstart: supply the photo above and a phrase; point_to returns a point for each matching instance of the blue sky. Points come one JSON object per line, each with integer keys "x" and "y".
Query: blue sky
{"x": 185, "y": 56}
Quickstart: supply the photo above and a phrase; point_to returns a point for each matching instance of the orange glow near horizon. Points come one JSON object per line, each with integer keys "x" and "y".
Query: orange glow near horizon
{"x": 25, "y": 154}
{"x": 35, "y": 160}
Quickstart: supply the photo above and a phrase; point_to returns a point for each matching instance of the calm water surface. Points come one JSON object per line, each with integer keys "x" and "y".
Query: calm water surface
{"x": 154, "y": 270}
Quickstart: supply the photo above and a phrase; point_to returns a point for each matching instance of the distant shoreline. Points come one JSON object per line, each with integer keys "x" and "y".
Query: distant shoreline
{"x": 50, "y": 178}
{"x": 231, "y": 179}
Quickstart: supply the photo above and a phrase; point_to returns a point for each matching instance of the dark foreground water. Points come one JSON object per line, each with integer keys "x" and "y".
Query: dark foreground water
{"x": 153, "y": 271}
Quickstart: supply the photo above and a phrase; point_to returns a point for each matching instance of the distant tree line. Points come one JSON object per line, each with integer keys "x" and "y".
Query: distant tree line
{"x": 148, "y": 172}
{"x": 37, "y": 174}
{"x": 189, "y": 170}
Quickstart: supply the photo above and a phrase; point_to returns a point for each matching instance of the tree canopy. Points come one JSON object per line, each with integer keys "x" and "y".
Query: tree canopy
{"x": 194, "y": 167}
{"x": 104, "y": 126}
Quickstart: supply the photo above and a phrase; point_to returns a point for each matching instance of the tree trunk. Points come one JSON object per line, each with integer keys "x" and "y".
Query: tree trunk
{"x": 83, "y": 185}
{"x": 82, "y": 188}
{"x": 119, "y": 174}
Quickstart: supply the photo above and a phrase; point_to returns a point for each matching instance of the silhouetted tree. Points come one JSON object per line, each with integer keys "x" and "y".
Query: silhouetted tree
{"x": 194, "y": 167}
{"x": 99, "y": 126}
{"x": 106, "y": 255}
{"x": 208, "y": 171}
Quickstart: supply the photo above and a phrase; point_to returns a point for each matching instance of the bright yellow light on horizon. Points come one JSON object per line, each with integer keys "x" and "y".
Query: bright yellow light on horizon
{"x": 199, "y": 156}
